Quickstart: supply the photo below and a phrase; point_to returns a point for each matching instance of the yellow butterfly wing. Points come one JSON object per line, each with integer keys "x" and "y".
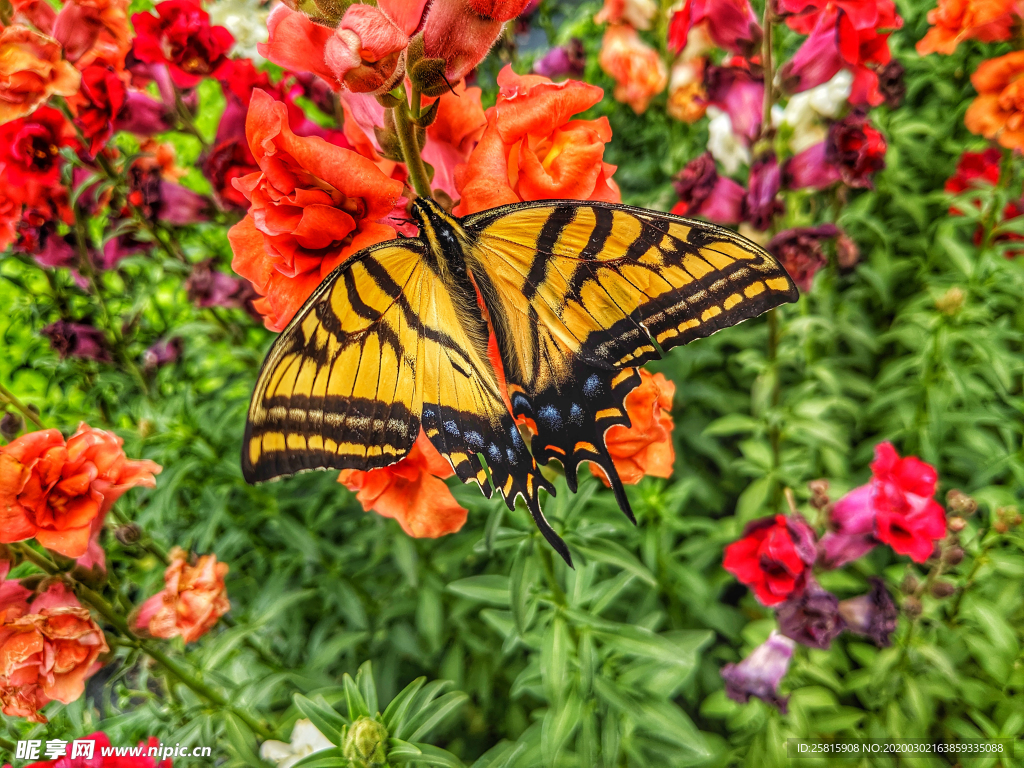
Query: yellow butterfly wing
{"x": 576, "y": 292}
{"x": 383, "y": 347}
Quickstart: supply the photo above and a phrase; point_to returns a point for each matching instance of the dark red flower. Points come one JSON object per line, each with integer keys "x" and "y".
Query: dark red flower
{"x": 762, "y": 202}
{"x": 856, "y": 148}
{"x": 98, "y": 104}
{"x": 891, "y": 84}
{"x": 974, "y": 170}
{"x": 180, "y": 36}
{"x": 773, "y": 558}
{"x": 208, "y": 287}
{"x": 77, "y": 340}
{"x": 702, "y": 192}
{"x": 230, "y": 157}
{"x": 800, "y": 251}
{"x": 730, "y": 24}
{"x": 811, "y": 617}
{"x": 907, "y": 518}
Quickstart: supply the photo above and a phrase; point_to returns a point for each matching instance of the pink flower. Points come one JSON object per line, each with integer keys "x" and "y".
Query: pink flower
{"x": 810, "y": 168}
{"x": 736, "y": 91}
{"x": 731, "y": 24}
{"x": 462, "y": 31}
{"x": 762, "y": 203}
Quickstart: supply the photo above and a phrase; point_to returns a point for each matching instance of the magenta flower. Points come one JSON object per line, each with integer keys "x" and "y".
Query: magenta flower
{"x": 702, "y": 192}
{"x": 761, "y": 203}
{"x": 731, "y": 24}
{"x": 77, "y": 340}
{"x": 801, "y": 253}
{"x": 142, "y": 115}
{"x": 567, "y": 60}
{"x": 852, "y": 533}
{"x": 810, "y": 168}
{"x": 735, "y": 90}
{"x": 811, "y": 617}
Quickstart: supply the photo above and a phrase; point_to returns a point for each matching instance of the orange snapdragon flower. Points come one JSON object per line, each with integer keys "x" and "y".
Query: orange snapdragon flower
{"x": 55, "y": 491}
{"x": 192, "y": 601}
{"x": 637, "y": 69}
{"x": 32, "y": 68}
{"x": 645, "y": 447}
{"x": 531, "y": 149}
{"x": 312, "y": 204}
{"x": 410, "y": 491}
{"x": 998, "y": 111}
{"x": 954, "y": 21}
{"x": 47, "y": 649}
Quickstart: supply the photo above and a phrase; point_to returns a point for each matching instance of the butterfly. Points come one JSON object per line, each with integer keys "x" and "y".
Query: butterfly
{"x": 577, "y": 296}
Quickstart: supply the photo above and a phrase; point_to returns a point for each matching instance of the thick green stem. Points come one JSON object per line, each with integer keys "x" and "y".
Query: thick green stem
{"x": 410, "y": 151}
{"x": 8, "y": 398}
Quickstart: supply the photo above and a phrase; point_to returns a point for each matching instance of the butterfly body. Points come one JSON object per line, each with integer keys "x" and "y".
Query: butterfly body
{"x": 576, "y": 295}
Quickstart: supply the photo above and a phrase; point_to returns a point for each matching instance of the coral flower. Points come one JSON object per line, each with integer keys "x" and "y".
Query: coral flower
{"x": 532, "y": 150}
{"x": 94, "y": 32}
{"x": 773, "y": 558}
{"x": 637, "y": 69}
{"x": 954, "y": 21}
{"x": 181, "y": 36}
{"x": 454, "y": 134}
{"x": 193, "y": 599}
{"x": 32, "y": 69}
{"x": 47, "y": 650}
{"x": 410, "y": 491}
{"x": 462, "y": 31}
{"x": 311, "y": 205}
{"x": 644, "y": 447}
{"x": 998, "y": 112}
{"x": 54, "y": 490}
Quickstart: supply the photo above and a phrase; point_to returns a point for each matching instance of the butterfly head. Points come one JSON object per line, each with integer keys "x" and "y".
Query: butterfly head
{"x": 442, "y": 233}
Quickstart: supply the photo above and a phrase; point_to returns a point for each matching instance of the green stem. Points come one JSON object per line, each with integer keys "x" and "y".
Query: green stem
{"x": 410, "y": 151}
{"x": 8, "y": 398}
{"x": 544, "y": 555}
{"x": 769, "y": 74}
{"x": 774, "y": 431}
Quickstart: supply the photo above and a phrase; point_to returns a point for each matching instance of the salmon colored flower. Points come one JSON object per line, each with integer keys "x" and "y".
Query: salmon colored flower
{"x": 193, "y": 599}
{"x": 644, "y": 447}
{"x": 998, "y": 112}
{"x": 47, "y": 650}
{"x": 532, "y": 150}
{"x": 32, "y": 69}
{"x": 363, "y": 54}
{"x": 181, "y": 36}
{"x": 954, "y": 21}
{"x": 454, "y": 134}
{"x": 54, "y": 490}
{"x": 312, "y": 204}
{"x": 687, "y": 96}
{"x": 637, "y": 69}
{"x": 94, "y": 32}
{"x": 410, "y": 491}
{"x": 462, "y": 31}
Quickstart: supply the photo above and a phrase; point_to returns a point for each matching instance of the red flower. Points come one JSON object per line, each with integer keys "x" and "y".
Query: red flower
{"x": 907, "y": 518}
{"x": 730, "y": 24}
{"x": 410, "y": 491}
{"x": 230, "y": 157}
{"x": 193, "y": 599}
{"x": 799, "y": 250}
{"x": 975, "y": 169}
{"x": 856, "y": 148}
{"x": 98, "y": 104}
{"x": 47, "y": 650}
{"x": 896, "y": 508}
{"x": 773, "y": 558}
{"x": 702, "y": 192}
{"x": 53, "y": 490}
{"x": 180, "y": 36}
{"x": 645, "y": 447}
{"x": 312, "y": 205}
{"x": 532, "y": 150}
{"x": 847, "y": 35}
{"x": 30, "y": 153}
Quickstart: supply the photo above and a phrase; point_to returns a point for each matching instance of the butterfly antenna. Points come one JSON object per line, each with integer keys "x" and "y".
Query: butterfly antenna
{"x": 448, "y": 84}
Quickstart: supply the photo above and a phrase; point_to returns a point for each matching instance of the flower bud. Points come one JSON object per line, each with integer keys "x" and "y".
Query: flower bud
{"x": 960, "y": 503}
{"x": 957, "y": 524}
{"x": 912, "y": 607}
{"x": 951, "y": 301}
{"x": 462, "y": 32}
{"x": 954, "y": 555}
{"x": 364, "y": 744}
{"x": 128, "y": 534}
{"x": 11, "y": 425}
{"x": 819, "y": 493}
{"x": 942, "y": 589}
{"x": 909, "y": 585}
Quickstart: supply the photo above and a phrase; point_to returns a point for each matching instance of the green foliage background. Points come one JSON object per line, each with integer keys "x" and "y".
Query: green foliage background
{"x": 616, "y": 663}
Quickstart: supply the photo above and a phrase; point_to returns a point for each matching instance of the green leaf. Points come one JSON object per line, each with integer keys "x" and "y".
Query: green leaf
{"x": 325, "y": 758}
{"x": 402, "y": 752}
{"x": 436, "y": 713}
{"x": 487, "y": 588}
{"x": 242, "y": 740}
{"x": 367, "y": 687}
{"x": 604, "y": 551}
{"x": 356, "y": 703}
{"x": 399, "y": 706}
{"x": 326, "y": 719}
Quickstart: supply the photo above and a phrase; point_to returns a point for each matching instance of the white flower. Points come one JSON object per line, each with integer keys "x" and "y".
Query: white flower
{"x": 639, "y": 13}
{"x": 246, "y": 20}
{"x": 306, "y": 740}
{"x": 723, "y": 144}
{"x": 805, "y": 110}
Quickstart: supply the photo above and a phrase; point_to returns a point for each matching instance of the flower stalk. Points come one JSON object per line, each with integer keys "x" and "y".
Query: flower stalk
{"x": 406, "y": 130}
{"x": 8, "y": 398}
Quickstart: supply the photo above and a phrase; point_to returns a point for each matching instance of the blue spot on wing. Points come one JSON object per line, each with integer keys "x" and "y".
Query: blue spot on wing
{"x": 451, "y": 427}
{"x": 576, "y": 415}
{"x": 475, "y": 441}
{"x": 592, "y": 386}
{"x": 494, "y": 452}
{"x": 550, "y": 417}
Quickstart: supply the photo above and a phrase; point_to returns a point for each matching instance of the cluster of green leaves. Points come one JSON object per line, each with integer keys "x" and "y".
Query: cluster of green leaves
{"x": 615, "y": 663}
